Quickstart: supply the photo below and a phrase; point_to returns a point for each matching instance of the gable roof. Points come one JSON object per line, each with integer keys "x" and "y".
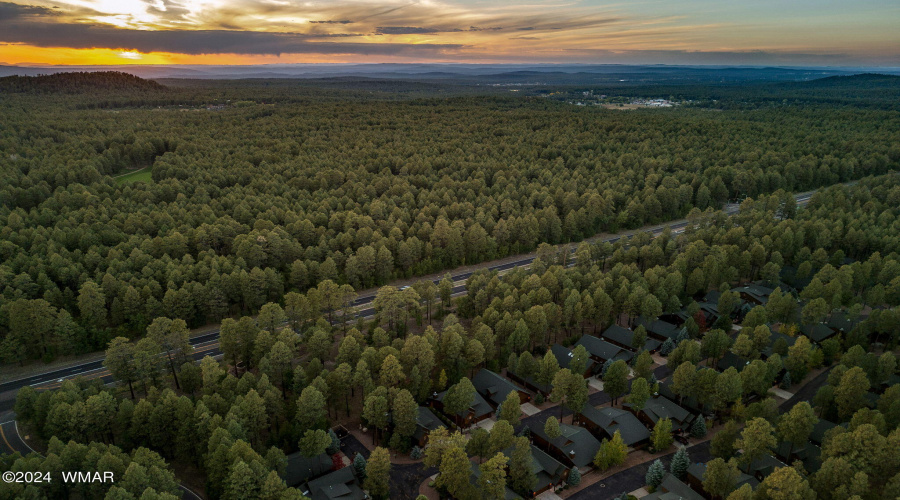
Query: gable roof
{"x": 603, "y": 349}
{"x": 426, "y": 421}
{"x": 547, "y": 469}
{"x": 564, "y": 357}
{"x": 625, "y": 337}
{"x": 689, "y": 403}
{"x": 774, "y": 338}
{"x": 479, "y": 405}
{"x": 765, "y": 465}
{"x": 712, "y": 296}
{"x": 493, "y": 386}
{"x": 339, "y": 485}
{"x": 301, "y": 468}
{"x": 572, "y": 439}
{"x": 756, "y": 291}
{"x": 840, "y": 321}
{"x": 659, "y": 327}
{"x": 613, "y": 419}
{"x": 671, "y": 488}
{"x": 659, "y": 407}
{"x": 817, "y": 332}
{"x": 819, "y": 430}
{"x": 696, "y": 471}
{"x": 731, "y": 360}
{"x": 808, "y": 453}
{"x": 475, "y": 474}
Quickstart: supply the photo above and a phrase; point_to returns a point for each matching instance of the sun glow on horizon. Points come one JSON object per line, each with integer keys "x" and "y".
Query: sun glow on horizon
{"x": 240, "y": 32}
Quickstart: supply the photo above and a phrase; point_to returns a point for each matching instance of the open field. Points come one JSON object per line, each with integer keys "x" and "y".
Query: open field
{"x": 142, "y": 175}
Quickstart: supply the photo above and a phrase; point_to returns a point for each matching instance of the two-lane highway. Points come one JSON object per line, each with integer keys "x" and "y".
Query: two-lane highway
{"x": 207, "y": 344}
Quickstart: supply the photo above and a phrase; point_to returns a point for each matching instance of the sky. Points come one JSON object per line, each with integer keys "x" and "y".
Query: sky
{"x": 721, "y": 32}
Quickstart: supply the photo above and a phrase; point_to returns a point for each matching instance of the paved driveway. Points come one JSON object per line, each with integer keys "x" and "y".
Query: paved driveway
{"x": 351, "y": 446}
{"x": 634, "y": 477}
{"x": 405, "y": 480}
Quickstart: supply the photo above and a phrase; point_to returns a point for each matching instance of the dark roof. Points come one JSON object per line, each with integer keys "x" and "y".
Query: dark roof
{"x": 696, "y": 471}
{"x": 817, "y": 332}
{"x": 548, "y": 469}
{"x": 672, "y": 488}
{"x": 712, "y": 296}
{"x": 339, "y": 485}
{"x": 730, "y": 359}
{"x": 508, "y": 494}
{"x": 426, "y": 421}
{"x": 765, "y": 465}
{"x": 756, "y": 291}
{"x": 659, "y": 407}
{"x": 808, "y": 453}
{"x": 480, "y": 406}
{"x": 613, "y": 419}
{"x": 564, "y": 357}
{"x": 301, "y": 468}
{"x": 493, "y": 386}
{"x": 689, "y": 403}
{"x": 572, "y": 438}
{"x": 603, "y": 349}
{"x": 841, "y": 321}
{"x": 659, "y": 327}
{"x": 819, "y": 430}
{"x": 624, "y": 336}
{"x": 710, "y": 307}
{"x": 774, "y": 338}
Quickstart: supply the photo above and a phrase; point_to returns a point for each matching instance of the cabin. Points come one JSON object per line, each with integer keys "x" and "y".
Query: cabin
{"x": 818, "y": 332}
{"x": 575, "y": 446}
{"x": 659, "y": 407}
{"x": 731, "y": 360}
{"x": 763, "y": 466}
{"x": 659, "y": 329}
{"x": 689, "y": 403}
{"x": 301, "y": 469}
{"x": 777, "y": 337}
{"x": 604, "y": 422}
{"x": 754, "y": 294}
{"x": 624, "y": 338}
{"x": 695, "y": 479}
{"x": 818, "y": 433}
{"x": 710, "y": 312}
{"x": 531, "y": 383}
{"x": 600, "y": 350}
{"x": 564, "y": 357}
{"x": 494, "y": 388}
{"x": 426, "y": 421}
{"x": 807, "y": 453}
{"x": 477, "y": 411}
{"x": 672, "y": 488}
{"x": 842, "y": 322}
{"x": 551, "y": 473}
{"x": 475, "y": 475}
{"x": 339, "y": 485}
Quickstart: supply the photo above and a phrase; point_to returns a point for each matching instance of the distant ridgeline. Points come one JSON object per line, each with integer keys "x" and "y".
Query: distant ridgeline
{"x": 77, "y": 82}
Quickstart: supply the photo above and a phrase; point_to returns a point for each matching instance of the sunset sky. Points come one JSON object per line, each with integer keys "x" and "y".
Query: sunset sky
{"x": 738, "y": 32}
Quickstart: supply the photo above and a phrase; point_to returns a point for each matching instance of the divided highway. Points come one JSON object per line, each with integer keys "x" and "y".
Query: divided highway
{"x": 207, "y": 344}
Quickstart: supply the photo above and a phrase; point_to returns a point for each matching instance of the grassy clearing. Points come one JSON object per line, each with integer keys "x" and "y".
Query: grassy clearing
{"x": 142, "y": 175}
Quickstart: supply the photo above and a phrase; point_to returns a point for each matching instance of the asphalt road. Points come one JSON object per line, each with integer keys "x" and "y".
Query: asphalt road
{"x": 207, "y": 343}
{"x": 633, "y": 478}
{"x": 11, "y": 442}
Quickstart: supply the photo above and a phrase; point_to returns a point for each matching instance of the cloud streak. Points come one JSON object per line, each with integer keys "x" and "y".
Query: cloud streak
{"x": 438, "y": 30}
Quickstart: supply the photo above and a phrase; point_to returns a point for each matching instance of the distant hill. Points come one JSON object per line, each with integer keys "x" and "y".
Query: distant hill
{"x": 860, "y": 80}
{"x": 77, "y": 82}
